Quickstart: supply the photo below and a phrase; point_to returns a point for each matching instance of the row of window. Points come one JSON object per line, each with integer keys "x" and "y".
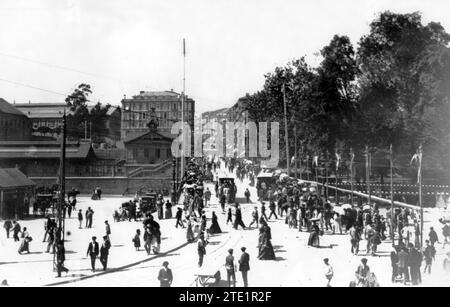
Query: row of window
{"x": 160, "y": 106}
{"x": 145, "y": 153}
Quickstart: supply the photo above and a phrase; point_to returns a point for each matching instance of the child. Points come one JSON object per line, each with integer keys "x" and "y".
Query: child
{"x": 137, "y": 240}
{"x": 230, "y": 216}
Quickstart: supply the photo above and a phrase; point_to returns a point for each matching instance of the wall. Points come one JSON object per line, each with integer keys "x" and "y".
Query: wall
{"x": 109, "y": 185}
{"x": 14, "y": 127}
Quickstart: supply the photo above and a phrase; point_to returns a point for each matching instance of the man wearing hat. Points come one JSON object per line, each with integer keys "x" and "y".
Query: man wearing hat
{"x": 93, "y": 252}
{"x": 244, "y": 266}
{"x": 165, "y": 276}
{"x": 229, "y": 265}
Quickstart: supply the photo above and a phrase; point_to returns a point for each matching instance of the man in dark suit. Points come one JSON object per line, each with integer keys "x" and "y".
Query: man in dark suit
{"x": 229, "y": 265}
{"x": 244, "y": 265}
{"x": 165, "y": 276}
{"x": 104, "y": 252}
{"x": 93, "y": 252}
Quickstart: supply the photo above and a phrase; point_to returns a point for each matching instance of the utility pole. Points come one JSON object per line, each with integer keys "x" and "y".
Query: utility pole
{"x": 62, "y": 183}
{"x": 182, "y": 108}
{"x": 286, "y": 137}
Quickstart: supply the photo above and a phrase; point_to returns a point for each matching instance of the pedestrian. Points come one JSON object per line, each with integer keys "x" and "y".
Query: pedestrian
{"x": 16, "y": 229}
{"x": 168, "y": 212}
{"x": 7, "y": 226}
{"x": 272, "y": 208}
{"x": 26, "y": 239}
{"x": 229, "y": 265}
{"x": 247, "y": 195}
{"x": 328, "y": 270}
{"x": 104, "y": 252}
{"x": 165, "y": 275}
{"x": 414, "y": 262}
{"x": 362, "y": 272}
{"x": 214, "y": 228}
{"x": 429, "y": 253}
{"x": 189, "y": 232}
{"x": 207, "y": 197}
{"x": 230, "y": 216}
{"x": 80, "y": 219}
{"x": 179, "y": 216}
{"x": 137, "y": 240}
{"x": 433, "y": 236}
{"x": 201, "y": 249}
{"x": 255, "y": 217}
{"x": 238, "y": 218}
{"x": 394, "y": 265}
{"x": 93, "y": 251}
{"x": 244, "y": 266}
{"x": 263, "y": 211}
{"x": 60, "y": 258}
{"x": 402, "y": 265}
{"x": 147, "y": 240}
{"x": 222, "y": 201}
{"x": 108, "y": 230}
{"x": 265, "y": 248}
{"x": 355, "y": 237}
{"x": 446, "y": 234}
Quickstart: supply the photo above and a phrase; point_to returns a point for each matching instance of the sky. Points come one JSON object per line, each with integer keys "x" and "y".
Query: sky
{"x": 120, "y": 47}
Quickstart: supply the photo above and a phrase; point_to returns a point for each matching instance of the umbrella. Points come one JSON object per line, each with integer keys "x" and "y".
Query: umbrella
{"x": 346, "y": 206}
{"x": 367, "y": 207}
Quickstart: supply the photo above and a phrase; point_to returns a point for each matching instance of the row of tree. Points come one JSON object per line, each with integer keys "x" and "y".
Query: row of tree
{"x": 394, "y": 88}
{"x": 83, "y": 118}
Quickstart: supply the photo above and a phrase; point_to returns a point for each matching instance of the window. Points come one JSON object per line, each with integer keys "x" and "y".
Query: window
{"x": 158, "y": 153}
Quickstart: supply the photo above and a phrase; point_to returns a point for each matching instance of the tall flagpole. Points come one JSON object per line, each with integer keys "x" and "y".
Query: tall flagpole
{"x": 182, "y": 110}
{"x": 286, "y": 137}
{"x": 391, "y": 160}
{"x": 420, "y": 195}
{"x": 352, "y": 157}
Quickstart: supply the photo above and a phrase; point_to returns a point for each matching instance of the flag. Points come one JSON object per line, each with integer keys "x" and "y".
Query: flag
{"x": 316, "y": 160}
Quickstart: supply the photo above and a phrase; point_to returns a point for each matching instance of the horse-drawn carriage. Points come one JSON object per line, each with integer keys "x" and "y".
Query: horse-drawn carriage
{"x": 228, "y": 182}
{"x": 46, "y": 199}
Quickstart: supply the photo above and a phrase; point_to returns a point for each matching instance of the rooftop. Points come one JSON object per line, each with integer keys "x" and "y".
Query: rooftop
{"x": 6, "y": 107}
{"x": 13, "y": 178}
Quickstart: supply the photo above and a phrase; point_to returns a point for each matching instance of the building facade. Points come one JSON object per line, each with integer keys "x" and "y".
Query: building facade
{"x": 14, "y": 125}
{"x": 46, "y": 118}
{"x": 166, "y": 105}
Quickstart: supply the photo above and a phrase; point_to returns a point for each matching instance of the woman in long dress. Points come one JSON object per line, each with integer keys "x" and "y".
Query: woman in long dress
{"x": 314, "y": 236}
{"x": 265, "y": 247}
{"x": 189, "y": 232}
{"x": 215, "y": 228}
{"x": 168, "y": 210}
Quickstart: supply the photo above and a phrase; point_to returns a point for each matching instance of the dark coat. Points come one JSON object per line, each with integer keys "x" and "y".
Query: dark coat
{"x": 104, "y": 250}
{"x": 244, "y": 262}
{"x": 93, "y": 249}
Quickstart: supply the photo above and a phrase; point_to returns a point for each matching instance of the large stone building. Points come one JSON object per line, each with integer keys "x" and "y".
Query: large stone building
{"x": 14, "y": 125}
{"x": 166, "y": 105}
